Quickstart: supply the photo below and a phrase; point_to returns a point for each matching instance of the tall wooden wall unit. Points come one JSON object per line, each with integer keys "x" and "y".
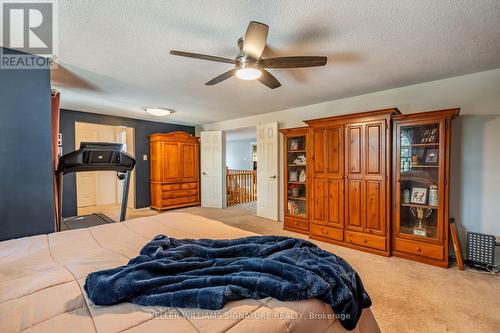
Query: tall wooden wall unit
{"x": 421, "y": 186}
{"x": 175, "y": 169}
{"x": 349, "y": 180}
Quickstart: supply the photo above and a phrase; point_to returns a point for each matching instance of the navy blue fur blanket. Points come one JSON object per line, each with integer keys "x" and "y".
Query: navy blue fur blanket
{"x": 207, "y": 273}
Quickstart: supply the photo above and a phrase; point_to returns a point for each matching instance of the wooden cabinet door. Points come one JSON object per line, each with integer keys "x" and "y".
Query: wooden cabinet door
{"x": 354, "y": 204}
{"x": 319, "y": 185}
{"x": 374, "y": 176}
{"x": 319, "y": 200}
{"x": 318, "y": 151}
{"x": 354, "y": 168}
{"x": 156, "y": 160}
{"x": 335, "y": 203}
{"x": 334, "y": 138}
{"x": 189, "y": 161}
{"x": 171, "y": 154}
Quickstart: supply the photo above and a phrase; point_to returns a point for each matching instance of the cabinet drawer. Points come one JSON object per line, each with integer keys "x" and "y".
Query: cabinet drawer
{"x": 187, "y": 186}
{"x": 179, "y": 201}
{"x": 327, "y": 232}
{"x": 297, "y": 224}
{"x": 359, "y": 238}
{"x": 422, "y": 249}
{"x": 171, "y": 187}
{"x": 179, "y": 193}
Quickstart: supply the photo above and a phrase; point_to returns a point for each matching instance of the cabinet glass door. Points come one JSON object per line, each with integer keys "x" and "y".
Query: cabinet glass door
{"x": 296, "y": 176}
{"x": 419, "y": 180}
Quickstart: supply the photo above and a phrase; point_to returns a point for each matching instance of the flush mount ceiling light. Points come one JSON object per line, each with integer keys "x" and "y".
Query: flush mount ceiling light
{"x": 158, "y": 112}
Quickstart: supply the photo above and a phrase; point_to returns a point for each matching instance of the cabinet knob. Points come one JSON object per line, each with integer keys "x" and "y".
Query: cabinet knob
{"x": 398, "y": 180}
{"x": 418, "y": 249}
{"x": 204, "y": 173}
{"x": 323, "y": 231}
{"x": 365, "y": 241}
{"x": 346, "y": 176}
{"x": 296, "y": 223}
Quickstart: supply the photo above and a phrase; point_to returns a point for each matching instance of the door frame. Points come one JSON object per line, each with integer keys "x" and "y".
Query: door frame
{"x": 132, "y": 188}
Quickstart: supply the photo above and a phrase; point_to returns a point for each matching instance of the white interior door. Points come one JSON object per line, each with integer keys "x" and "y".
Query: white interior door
{"x": 106, "y": 180}
{"x": 213, "y": 178}
{"x": 86, "y": 185}
{"x": 125, "y": 136}
{"x": 86, "y": 182}
{"x": 267, "y": 171}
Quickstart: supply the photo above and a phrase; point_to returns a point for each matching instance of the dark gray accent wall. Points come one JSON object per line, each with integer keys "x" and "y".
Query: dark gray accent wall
{"x": 142, "y": 130}
{"x": 26, "y": 179}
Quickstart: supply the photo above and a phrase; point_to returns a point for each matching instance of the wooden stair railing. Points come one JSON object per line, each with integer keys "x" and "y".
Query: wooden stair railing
{"x": 241, "y": 186}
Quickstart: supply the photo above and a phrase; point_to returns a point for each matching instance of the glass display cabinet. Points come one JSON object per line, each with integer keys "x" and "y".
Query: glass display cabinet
{"x": 295, "y": 179}
{"x": 421, "y": 187}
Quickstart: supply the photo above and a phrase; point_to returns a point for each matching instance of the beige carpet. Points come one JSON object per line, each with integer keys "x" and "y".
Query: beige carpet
{"x": 407, "y": 296}
{"x": 113, "y": 211}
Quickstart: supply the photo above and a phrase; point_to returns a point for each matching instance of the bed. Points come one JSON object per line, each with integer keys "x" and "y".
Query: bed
{"x": 42, "y": 278}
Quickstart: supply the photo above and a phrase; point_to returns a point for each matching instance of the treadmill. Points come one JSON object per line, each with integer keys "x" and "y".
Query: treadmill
{"x": 96, "y": 156}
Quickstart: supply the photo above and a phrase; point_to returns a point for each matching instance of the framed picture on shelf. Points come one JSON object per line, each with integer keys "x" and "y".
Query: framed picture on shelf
{"x": 294, "y": 144}
{"x": 433, "y": 136}
{"x": 430, "y": 136}
{"x": 431, "y": 156}
{"x": 425, "y": 137}
{"x": 419, "y": 195}
{"x": 418, "y": 155}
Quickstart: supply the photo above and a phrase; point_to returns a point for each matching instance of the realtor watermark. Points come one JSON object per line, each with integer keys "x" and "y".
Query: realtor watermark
{"x": 29, "y": 34}
{"x": 256, "y": 315}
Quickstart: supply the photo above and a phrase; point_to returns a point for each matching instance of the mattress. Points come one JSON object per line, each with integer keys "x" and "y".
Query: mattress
{"x": 42, "y": 278}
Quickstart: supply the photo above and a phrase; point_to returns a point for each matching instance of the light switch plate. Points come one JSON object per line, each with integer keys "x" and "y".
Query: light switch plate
{"x": 144, "y": 157}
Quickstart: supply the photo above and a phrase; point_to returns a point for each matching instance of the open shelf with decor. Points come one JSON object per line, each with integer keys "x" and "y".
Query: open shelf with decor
{"x": 295, "y": 184}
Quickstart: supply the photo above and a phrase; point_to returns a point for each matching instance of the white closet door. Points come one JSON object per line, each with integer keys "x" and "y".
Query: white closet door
{"x": 267, "y": 171}
{"x": 213, "y": 180}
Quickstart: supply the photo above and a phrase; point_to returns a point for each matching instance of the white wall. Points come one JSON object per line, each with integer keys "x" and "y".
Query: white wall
{"x": 475, "y": 164}
{"x": 239, "y": 154}
{"x": 475, "y": 174}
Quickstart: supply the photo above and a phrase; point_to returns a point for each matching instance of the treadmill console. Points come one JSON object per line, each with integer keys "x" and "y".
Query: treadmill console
{"x": 96, "y": 156}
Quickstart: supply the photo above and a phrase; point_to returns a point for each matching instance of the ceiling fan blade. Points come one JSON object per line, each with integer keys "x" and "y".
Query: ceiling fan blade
{"x": 255, "y": 39}
{"x": 269, "y": 80}
{"x": 293, "y": 62}
{"x": 221, "y": 77}
{"x": 202, "y": 57}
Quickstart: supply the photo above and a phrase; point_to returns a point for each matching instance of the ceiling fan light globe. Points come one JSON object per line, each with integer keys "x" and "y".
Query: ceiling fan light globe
{"x": 248, "y": 73}
{"x": 158, "y": 112}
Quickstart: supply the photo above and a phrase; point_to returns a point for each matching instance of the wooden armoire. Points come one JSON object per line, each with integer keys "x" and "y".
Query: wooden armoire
{"x": 174, "y": 170}
{"x": 349, "y": 179}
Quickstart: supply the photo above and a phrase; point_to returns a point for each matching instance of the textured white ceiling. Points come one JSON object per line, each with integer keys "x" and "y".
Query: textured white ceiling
{"x": 114, "y": 53}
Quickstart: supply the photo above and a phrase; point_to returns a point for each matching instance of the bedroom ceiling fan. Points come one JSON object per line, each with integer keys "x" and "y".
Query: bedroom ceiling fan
{"x": 248, "y": 64}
